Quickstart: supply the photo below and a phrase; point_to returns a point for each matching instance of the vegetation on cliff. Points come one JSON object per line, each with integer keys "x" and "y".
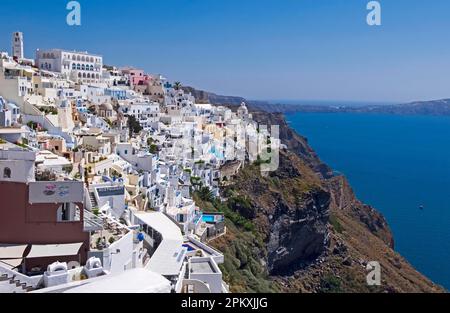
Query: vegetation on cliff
{"x": 300, "y": 229}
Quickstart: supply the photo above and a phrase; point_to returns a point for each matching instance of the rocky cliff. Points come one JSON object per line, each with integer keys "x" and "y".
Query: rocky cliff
{"x": 202, "y": 96}
{"x": 301, "y": 229}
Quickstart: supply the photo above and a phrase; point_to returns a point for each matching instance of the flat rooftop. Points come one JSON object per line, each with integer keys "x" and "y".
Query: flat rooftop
{"x": 168, "y": 257}
{"x": 12, "y": 130}
{"x": 136, "y": 280}
{"x": 202, "y": 267}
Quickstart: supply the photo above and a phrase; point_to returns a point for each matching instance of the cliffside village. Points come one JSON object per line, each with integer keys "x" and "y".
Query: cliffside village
{"x": 98, "y": 166}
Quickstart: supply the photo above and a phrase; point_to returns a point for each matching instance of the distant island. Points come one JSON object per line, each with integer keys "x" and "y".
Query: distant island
{"x": 433, "y": 107}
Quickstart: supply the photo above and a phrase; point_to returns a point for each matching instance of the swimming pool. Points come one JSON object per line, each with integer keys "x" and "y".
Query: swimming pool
{"x": 208, "y": 218}
{"x": 189, "y": 247}
{"x": 212, "y": 218}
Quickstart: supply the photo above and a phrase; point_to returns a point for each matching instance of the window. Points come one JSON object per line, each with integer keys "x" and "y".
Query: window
{"x": 68, "y": 212}
{"x": 65, "y": 211}
{"x": 7, "y": 172}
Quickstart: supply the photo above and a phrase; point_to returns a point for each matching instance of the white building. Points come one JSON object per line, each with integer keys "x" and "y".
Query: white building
{"x": 17, "y": 45}
{"x": 9, "y": 113}
{"x": 16, "y": 164}
{"x": 77, "y": 66}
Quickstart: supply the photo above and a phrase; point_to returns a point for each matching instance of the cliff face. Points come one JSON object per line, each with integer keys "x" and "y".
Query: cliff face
{"x": 202, "y": 96}
{"x": 300, "y": 229}
{"x": 295, "y": 143}
{"x": 290, "y": 210}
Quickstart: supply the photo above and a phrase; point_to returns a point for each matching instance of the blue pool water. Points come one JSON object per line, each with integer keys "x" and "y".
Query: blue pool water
{"x": 189, "y": 247}
{"x": 208, "y": 218}
{"x": 396, "y": 164}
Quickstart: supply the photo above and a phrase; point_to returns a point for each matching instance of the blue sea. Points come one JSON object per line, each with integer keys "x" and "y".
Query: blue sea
{"x": 396, "y": 164}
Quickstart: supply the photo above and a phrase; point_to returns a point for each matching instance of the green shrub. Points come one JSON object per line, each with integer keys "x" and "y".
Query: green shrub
{"x": 330, "y": 284}
{"x": 336, "y": 225}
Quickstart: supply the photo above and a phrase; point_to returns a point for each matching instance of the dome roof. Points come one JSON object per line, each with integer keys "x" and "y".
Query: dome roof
{"x": 243, "y": 108}
{"x": 106, "y": 106}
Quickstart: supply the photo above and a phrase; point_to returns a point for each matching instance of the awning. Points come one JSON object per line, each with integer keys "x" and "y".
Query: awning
{"x": 42, "y": 251}
{"x": 11, "y": 263}
{"x": 8, "y": 252}
{"x": 11, "y": 255}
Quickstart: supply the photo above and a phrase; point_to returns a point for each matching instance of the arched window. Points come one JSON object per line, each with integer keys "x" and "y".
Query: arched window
{"x": 84, "y": 75}
{"x": 83, "y": 67}
{"x": 88, "y": 75}
{"x": 79, "y": 75}
{"x": 83, "y": 59}
{"x": 74, "y": 66}
{"x": 74, "y": 57}
{"x": 78, "y": 66}
{"x": 7, "y": 172}
{"x": 78, "y": 58}
{"x": 92, "y": 67}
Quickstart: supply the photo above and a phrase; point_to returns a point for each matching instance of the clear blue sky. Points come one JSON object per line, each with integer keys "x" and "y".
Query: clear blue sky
{"x": 259, "y": 49}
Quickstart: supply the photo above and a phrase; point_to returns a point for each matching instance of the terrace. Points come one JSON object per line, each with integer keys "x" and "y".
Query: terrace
{"x": 109, "y": 230}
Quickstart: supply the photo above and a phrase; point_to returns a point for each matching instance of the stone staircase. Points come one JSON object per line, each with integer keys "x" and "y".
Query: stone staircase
{"x": 8, "y": 284}
{"x": 93, "y": 200}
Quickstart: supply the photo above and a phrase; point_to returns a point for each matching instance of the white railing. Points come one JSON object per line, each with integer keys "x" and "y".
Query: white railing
{"x": 91, "y": 221}
{"x": 30, "y": 281}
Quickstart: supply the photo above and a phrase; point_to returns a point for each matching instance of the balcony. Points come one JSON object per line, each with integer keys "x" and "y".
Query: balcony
{"x": 91, "y": 222}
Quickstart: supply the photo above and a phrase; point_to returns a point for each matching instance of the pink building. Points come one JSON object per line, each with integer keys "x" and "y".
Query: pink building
{"x": 137, "y": 77}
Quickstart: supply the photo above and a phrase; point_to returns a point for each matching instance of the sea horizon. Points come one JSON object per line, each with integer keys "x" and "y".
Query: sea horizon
{"x": 398, "y": 164}
{"x": 331, "y": 103}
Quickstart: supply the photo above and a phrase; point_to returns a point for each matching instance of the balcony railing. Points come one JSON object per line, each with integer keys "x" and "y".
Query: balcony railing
{"x": 91, "y": 221}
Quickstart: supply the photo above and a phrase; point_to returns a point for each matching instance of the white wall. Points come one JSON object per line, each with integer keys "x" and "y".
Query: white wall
{"x": 20, "y": 163}
{"x": 119, "y": 262}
